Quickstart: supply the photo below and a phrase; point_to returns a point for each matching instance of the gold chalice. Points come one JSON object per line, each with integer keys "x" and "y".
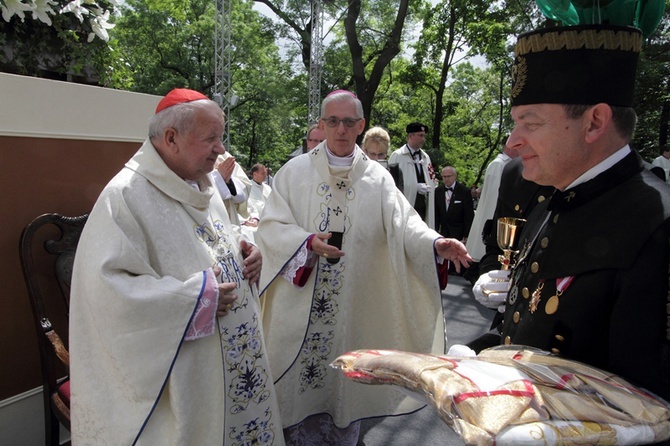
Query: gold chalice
{"x": 509, "y": 229}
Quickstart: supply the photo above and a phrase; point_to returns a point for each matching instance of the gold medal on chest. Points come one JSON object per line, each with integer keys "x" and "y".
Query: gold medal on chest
{"x": 552, "y": 304}
{"x": 562, "y": 284}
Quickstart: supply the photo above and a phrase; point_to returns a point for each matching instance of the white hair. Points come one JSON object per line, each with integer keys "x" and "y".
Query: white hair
{"x": 178, "y": 117}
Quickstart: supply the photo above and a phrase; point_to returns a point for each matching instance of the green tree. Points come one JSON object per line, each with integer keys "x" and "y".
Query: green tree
{"x": 370, "y": 31}
{"x": 296, "y": 22}
{"x": 472, "y": 124}
{"x": 652, "y": 95}
{"x": 167, "y": 44}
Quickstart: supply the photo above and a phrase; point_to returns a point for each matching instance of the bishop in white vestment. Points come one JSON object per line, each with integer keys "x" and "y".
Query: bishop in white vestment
{"x": 378, "y": 289}
{"x": 151, "y": 364}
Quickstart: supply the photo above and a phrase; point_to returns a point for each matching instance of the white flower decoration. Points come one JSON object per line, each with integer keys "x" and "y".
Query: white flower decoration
{"x": 14, "y": 7}
{"x": 100, "y": 26}
{"x": 42, "y": 10}
{"x": 75, "y": 8}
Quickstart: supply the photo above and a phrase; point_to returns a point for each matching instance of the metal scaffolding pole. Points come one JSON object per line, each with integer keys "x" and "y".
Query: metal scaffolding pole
{"x": 315, "y": 63}
{"x": 222, "y": 56}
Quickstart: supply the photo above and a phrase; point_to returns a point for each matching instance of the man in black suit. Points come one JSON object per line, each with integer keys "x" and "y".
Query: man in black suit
{"x": 454, "y": 210}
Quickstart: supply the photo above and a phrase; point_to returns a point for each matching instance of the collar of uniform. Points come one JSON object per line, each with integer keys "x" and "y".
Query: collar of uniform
{"x": 598, "y": 185}
{"x": 601, "y": 166}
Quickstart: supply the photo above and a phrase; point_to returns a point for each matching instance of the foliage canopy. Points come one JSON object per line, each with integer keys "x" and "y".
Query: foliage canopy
{"x": 445, "y": 63}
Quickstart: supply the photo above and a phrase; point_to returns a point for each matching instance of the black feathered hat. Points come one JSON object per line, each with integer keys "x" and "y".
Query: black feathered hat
{"x": 416, "y": 127}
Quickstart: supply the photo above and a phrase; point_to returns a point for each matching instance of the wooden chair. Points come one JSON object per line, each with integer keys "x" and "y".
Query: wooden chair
{"x": 47, "y": 269}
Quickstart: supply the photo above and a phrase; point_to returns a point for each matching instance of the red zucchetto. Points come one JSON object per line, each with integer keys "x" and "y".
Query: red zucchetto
{"x": 179, "y": 96}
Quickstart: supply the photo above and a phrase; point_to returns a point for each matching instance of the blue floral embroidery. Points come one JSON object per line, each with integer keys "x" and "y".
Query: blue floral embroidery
{"x": 247, "y": 379}
{"x": 256, "y": 432}
{"x": 317, "y": 349}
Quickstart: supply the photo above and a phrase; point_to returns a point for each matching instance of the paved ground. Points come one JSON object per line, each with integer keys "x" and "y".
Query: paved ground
{"x": 466, "y": 319}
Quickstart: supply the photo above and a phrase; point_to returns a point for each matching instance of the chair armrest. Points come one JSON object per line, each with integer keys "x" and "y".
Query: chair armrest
{"x": 59, "y": 347}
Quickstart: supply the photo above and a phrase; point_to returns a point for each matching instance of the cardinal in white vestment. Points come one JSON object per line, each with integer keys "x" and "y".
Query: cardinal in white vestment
{"x": 347, "y": 263}
{"x": 166, "y": 339}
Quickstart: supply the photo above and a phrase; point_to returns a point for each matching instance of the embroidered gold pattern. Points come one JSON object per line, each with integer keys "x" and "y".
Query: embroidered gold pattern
{"x": 519, "y": 76}
{"x": 605, "y": 39}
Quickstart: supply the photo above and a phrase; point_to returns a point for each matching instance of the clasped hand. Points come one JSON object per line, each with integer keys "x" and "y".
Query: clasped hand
{"x": 253, "y": 261}
{"x": 227, "y": 296}
{"x": 226, "y": 168}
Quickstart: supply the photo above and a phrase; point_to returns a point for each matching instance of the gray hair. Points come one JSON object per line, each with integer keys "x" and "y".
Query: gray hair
{"x": 342, "y": 96}
{"x": 178, "y": 117}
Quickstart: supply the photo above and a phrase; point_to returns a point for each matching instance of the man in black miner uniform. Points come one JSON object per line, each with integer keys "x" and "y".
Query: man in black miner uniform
{"x": 591, "y": 282}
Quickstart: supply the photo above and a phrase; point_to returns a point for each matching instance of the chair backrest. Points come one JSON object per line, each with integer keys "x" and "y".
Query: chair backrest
{"x": 47, "y": 250}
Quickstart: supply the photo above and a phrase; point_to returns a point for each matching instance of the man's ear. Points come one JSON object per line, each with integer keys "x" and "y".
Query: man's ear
{"x": 361, "y": 126}
{"x": 598, "y": 119}
{"x": 169, "y": 137}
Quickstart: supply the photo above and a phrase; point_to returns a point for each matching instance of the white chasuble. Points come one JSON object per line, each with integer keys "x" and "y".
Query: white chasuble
{"x": 139, "y": 275}
{"x": 383, "y": 292}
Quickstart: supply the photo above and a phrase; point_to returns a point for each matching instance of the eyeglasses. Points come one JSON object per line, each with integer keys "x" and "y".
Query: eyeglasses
{"x": 318, "y": 141}
{"x": 333, "y": 122}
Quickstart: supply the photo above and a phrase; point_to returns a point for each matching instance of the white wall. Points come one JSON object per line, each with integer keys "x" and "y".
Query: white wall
{"x": 22, "y": 422}
{"x": 72, "y": 111}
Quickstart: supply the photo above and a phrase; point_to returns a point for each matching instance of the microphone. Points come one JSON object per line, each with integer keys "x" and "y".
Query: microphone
{"x": 336, "y": 241}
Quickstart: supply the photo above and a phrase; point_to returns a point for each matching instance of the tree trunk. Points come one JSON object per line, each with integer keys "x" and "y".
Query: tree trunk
{"x": 366, "y": 88}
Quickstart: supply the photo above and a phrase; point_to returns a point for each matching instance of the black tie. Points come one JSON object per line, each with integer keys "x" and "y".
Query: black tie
{"x": 417, "y": 167}
{"x": 451, "y": 189}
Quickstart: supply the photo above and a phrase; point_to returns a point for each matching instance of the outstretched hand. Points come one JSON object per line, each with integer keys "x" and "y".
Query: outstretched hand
{"x": 454, "y": 251}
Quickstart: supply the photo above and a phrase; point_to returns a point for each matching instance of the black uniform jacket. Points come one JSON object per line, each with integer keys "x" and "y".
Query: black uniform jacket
{"x": 611, "y": 235}
{"x": 454, "y": 222}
